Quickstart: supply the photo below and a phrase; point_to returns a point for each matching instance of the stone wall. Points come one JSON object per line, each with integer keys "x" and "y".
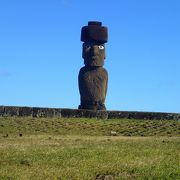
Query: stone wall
{"x": 77, "y": 113}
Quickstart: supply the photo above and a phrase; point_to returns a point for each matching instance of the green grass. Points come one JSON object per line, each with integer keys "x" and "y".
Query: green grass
{"x": 92, "y": 127}
{"x": 84, "y": 149}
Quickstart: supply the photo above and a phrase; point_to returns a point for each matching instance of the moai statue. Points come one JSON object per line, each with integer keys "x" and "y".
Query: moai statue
{"x": 93, "y": 78}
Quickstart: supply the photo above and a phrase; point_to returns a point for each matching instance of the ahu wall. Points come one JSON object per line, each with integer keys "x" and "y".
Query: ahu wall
{"x": 6, "y": 111}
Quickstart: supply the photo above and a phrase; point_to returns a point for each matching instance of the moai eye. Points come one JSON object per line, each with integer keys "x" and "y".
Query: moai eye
{"x": 87, "y": 46}
{"x": 101, "y": 47}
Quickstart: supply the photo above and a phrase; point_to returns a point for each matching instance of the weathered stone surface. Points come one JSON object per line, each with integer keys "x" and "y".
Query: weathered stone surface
{"x": 93, "y": 87}
{"x": 93, "y": 54}
{"x": 46, "y": 112}
{"x": 57, "y": 112}
{"x": 117, "y": 114}
{"x": 94, "y": 32}
{"x": 1, "y": 110}
{"x": 35, "y": 112}
{"x": 43, "y": 112}
{"x": 80, "y": 113}
{"x": 143, "y": 115}
{"x": 71, "y": 113}
{"x": 83, "y": 113}
{"x": 25, "y": 111}
{"x": 175, "y": 116}
{"x": 102, "y": 114}
{"x": 93, "y": 78}
{"x": 11, "y": 111}
{"x": 67, "y": 113}
{"x": 89, "y": 114}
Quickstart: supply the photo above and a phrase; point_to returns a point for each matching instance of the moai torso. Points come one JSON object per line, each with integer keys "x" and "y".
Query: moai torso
{"x": 93, "y": 78}
{"x": 93, "y": 87}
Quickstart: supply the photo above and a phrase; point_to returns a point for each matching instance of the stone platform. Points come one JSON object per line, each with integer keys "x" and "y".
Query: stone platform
{"x": 6, "y": 111}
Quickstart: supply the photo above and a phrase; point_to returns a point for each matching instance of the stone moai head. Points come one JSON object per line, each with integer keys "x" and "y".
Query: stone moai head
{"x": 94, "y": 37}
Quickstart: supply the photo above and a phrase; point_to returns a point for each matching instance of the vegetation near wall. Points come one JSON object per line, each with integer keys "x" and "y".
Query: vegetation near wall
{"x": 88, "y": 126}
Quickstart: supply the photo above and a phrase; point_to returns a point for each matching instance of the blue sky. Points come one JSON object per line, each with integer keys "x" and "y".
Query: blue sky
{"x": 40, "y": 52}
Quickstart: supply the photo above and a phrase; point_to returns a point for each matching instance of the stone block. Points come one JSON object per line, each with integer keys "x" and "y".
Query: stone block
{"x": 117, "y": 114}
{"x": 44, "y": 112}
{"x": 157, "y": 116}
{"x": 11, "y": 111}
{"x": 139, "y": 115}
{"x": 176, "y": 116}
{"x": 57, "y": 112}
{"x": 25, "y": 111}
{"x": 102, "y": 114}
{"x": 35, "y": 112}
{"x": 89, "y": 113}
{"x": 1, "y": 110}
{"x": 49, "y": 112}
{"x": 71, "y": 113}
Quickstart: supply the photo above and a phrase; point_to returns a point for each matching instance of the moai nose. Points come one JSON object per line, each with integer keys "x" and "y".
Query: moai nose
{"x": 94, "y": 50}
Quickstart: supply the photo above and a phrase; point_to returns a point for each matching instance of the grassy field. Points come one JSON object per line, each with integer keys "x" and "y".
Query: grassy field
{"x": 32, "y": 148}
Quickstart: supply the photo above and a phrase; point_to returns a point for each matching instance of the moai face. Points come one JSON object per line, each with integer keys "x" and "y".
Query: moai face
{"x": 93, "y": 54}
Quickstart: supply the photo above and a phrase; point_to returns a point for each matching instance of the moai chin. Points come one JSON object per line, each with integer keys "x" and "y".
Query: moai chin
{"x": 93, "y": 78}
